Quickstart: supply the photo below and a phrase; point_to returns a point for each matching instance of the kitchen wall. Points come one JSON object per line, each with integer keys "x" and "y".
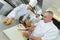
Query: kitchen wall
{"x": 49, "y": 3}
{"x": 5, "y": 7}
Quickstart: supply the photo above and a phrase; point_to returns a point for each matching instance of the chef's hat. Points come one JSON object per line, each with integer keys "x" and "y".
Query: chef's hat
{"x": 39, "y": 12}
{"x": 33, "y": 2}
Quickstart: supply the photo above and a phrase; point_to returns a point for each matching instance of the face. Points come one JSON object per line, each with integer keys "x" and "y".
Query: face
{"x": 29, "y": 7}
{"x": 37, "y": 15}
{"x": 46, "y": 17}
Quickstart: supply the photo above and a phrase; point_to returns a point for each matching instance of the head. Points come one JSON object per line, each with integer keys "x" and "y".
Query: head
{"x": 29, "y": 7}
{"x": 20, "y": 19}
{"x": 32, "y": 3}
{"x": 25, "y": 22}
{"x": 38, "y": 13}
{"x": 47, "y": 17}
{"x": 28, "y": 23}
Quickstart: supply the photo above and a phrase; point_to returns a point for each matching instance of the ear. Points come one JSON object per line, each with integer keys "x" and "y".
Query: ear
{"x": 51, "y": 18}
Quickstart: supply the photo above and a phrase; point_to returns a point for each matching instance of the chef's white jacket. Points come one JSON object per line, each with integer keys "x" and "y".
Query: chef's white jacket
{"x": 35, "y": 20}
{"x": 46, "y": 31}
{"x": 18, "y": 12}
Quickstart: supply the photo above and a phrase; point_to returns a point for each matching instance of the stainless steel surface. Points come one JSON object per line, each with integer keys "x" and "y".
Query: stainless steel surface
{"x": 3, "y": 27}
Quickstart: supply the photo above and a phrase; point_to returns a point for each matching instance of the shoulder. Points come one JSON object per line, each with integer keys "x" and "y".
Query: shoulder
{"x": 52, "y": 26}
{"x": 41, "y": 21}
{"x": 22, "y": 5}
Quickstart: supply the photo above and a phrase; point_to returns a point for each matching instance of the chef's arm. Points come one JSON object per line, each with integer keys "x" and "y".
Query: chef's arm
{"x": 34, "y": 38}
{"x": 28, "y": 35}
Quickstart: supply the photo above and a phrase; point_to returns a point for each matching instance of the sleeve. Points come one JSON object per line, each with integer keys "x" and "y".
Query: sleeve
{"x": 50, "y": 35}
{"x": 11, "y": 14}
{"x": 25, "y": 16}
{"x": 14, "y": 12}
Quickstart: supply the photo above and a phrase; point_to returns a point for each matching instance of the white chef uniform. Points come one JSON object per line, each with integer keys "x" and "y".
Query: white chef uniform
{"x": 46, "y": 31}
{"x": 36, "y": 20}
{"x": 18, "y": 11}
{"x": 21, "y": 11}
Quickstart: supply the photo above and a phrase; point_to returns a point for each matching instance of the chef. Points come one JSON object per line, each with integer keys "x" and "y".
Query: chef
{"x": 21, "y": 10}
{"x": 37, "y": 17}
{"x": 44, "y": 30}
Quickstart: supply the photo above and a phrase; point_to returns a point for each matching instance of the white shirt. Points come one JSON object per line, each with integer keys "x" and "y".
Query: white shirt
{"x": 35, "y": 20}
{"x": 18, "y": 12}
{"x": 46, "y": 31}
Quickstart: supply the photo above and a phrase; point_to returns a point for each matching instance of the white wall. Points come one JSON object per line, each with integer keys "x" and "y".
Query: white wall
{"x": 56, "y": 6}
{"x": 49, "y": 3}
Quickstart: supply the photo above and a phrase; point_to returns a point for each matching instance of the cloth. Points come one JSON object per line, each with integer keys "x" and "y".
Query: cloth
{"x": 35, "y": 20}
{"x": 46, "y": 31}
{"x": 18, "y": 11}
{"x": 39, "y": 12}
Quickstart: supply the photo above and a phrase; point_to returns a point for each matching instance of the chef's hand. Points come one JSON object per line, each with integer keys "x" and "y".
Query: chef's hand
{"x": 21, "y": 21}
{"x": 26, "y": 34}
{"x": 30, "y": 28}
{"x": 8, "y": 20}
